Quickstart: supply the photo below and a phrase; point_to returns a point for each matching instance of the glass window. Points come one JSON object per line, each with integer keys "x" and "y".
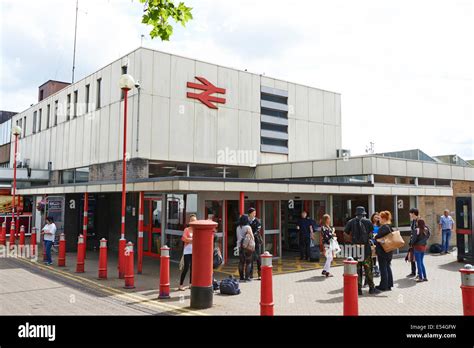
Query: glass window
{"x": 56, "y": 113}
{"x": 88, "y": 88}
{"x": 34, "y": 121}
{"x": 214, "y": 211}
{"x": 271, "y": 215}
{"x": 344, "y": 208}
{"x": 272, "y": 244}
{"x": 384, "y": 203}
{"x": 75, "y": 104}
{"x": 97, "y": 98}
{"x": 67, "y": 177}
{"x": 48, "y": 115}
{"x": 425, "y": 181}
{"x": 403, "y": 206}
{"x": 176, "y": 212}
{"x": 203, "y": 170}
{"x": 68, "y": 107}
{"x": 82, "y": 174}
{"x": 274, "y": 98}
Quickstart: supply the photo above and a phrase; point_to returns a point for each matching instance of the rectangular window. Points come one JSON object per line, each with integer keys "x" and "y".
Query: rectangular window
{"x": 97, "y": 99}
{"x": 34, "y": 121}
{"x": 88, "y": 88}
{"x": 24, "y": 126}
{"x": 39, "y": 119}
{"x": 68, "y": 108}
{"x": 56, "y": 105}
{"x": 274, "y": 98}
{"x": 274, "y": 127}
{"x": 274, "y": 142}
{"x": 75, "y": 105}
{"x": 48, "y": 115}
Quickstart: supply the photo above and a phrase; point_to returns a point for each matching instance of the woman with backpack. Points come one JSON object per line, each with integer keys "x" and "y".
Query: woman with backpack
{"x": 246, "y": 245}
{"x": 385, "y": 259}
{"x": 187, "y": 239}
{"x": 419, "y": 248}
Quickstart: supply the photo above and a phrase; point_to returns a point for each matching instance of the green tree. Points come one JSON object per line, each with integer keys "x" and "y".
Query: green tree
{"x": 157, "y": 13}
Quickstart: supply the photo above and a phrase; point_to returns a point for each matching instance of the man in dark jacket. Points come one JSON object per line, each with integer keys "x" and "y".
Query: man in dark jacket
{"x": 305, "y": 228}
{"x": 414, "y": 216}
{"x": 360, "y": 229}
{"x": 256, "y": 226}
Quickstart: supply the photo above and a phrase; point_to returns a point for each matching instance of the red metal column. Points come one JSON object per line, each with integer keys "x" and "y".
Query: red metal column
{"x": 22, "y": 240}
{"x": 467, "y": 288}
{"x": 242, "y": 203}
{"x": 129, "y": 267}
{"x": 32, "y": 241}
{"x": 266, "y": 286}
{"x": 3, "y": 233}
{"x": 12, "y": 234}
{"x": 164, "y": 273}
{"x": 62, "y": 250}
{"x": 103, "y": 259}
{"x": 122, "y": 241}
{"x": 85, "y": 221}
{"x": 14, "y": 184}
{"x": 351, "y": 300}
{"x": 202, "y": 261}
{"x": 80, "y": 254}
{"x": 141, "y": 205}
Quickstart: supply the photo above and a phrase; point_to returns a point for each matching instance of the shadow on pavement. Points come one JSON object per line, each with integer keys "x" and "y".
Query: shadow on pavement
{"x": 404, "y": 283}
{"x": 312, "y": 279}
{"x": 332, "y": 300}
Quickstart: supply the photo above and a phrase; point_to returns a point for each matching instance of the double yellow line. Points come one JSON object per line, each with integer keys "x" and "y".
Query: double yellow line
{"x": 118, "y": 293}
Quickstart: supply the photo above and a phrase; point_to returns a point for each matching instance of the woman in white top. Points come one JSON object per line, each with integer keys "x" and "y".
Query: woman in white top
{"x": 187, "y": 239}
{"x": 245, "y": 255}
{"x": 49, "y": 233}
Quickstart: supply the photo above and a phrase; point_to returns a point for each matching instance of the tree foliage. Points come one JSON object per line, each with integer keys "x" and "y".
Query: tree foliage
{"x": 157, "y": 13}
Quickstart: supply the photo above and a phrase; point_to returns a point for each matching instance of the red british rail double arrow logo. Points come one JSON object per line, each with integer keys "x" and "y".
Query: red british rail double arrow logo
{"x": 205, "y": 97}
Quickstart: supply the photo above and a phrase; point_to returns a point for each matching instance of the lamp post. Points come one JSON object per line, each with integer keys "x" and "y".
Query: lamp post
{"x": 126, "y": 83}
{"x": 16, "y": 131}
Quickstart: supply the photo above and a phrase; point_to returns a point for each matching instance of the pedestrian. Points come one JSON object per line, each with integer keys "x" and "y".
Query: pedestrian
{"x": 305, "y": 229}
{"x": 385, "y": 259}
{"x": 327, "y": 234}
{"x": 256, "y": 226}
{"x": 414, "y": 216}
{"x": 187, "y": 239}
{"x": 49, "y": 234}
{"x": 375, "y": 219}
{"x": 244, "y": 243}
{"x": 446, "y": 224}
{"x": 419, "y": 247}
{"x": 361, "y": 230}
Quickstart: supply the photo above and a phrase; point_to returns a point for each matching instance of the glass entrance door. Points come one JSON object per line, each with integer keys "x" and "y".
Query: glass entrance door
{"x": 271, "y": 226}
{"x": 152, "y": 227}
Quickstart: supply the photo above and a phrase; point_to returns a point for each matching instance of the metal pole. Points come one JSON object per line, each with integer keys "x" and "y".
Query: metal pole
{"x": 75, "y": 35}
{"x": 85, "y": 221}
{"x": 122, "y": 242}
{"x": 14, "y": 180}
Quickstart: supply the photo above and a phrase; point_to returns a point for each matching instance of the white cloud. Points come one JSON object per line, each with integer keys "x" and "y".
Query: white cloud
{"x": 404, "y": 68}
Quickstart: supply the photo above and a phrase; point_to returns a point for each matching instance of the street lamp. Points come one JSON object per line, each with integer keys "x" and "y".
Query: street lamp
{"x": 126, "y": 83}
{"x": 16, "y": 131}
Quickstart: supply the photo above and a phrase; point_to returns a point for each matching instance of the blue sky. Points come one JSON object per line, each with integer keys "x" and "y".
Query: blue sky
{"x": 404, "y": 68}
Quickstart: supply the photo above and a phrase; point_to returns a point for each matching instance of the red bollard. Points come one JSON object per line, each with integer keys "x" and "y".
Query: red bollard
{"x": 164, "y": 273}
{"x": 266, "y": 286}
{"x": 12, "y": 234}
{"x": 203, "y": 250}
{"x": 22, "y": 241}
{"x": 140, "y": 233}
{"x": 80, "y": 254}
{"x": 3, "y": 234}
{"x": 62, "y": 251}
{"x": 351, "y": 300}
{"x": 121, "y": 260}
{"x": 103, "y": 259}
{"x": 129, "y": 267}
{"x": 33, "y": 241}
{"x": 467, "y": 288}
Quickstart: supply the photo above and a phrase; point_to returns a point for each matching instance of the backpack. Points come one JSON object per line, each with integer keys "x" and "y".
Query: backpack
{"x": 248, "y": 243}
{"x": 360, "y": 235}
{"x": 217, "y": 258}
{"x": 229, "y": 286}
{"x": 435, "y": 248}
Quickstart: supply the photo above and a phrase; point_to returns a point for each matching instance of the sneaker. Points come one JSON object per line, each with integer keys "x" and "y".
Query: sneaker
{"x": 248, "y": 280}
{"x": 181, "y": 288}
{"x": 379, "y": 288}
{"x": 324, "y": 272}
{"x": 329, "y": 275}
{"x": 425, "y": 279}
{"x": 374, "y": 291}
{"x": 419, "y": 280}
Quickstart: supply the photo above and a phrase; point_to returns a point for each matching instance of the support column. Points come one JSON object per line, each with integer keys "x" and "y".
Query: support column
{"x": 242, "y": 203}
{"x": 164, "y": 217}
{"x": 141, "y": 204}
{"x": 371, "y": 204}
{"x": 395, "y": 211}
{"x": 330, "y": 208}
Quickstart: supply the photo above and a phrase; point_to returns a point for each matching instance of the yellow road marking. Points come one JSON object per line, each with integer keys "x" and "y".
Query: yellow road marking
{"x": 120, "y": 293}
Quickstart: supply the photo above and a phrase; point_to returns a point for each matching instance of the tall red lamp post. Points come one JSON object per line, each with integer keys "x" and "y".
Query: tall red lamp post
{"x": 16, "y": 131}
{"x": 126, "y": 83}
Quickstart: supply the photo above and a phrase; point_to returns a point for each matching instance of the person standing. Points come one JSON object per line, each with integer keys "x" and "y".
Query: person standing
{"x": 187, "y": 239}
{"x": 385, "y": 259}
{"x": 361, "y": 230}
{"x": 245, "y": 255}
{"x": 446, "y": 224}
{"x": 414, "y": 216}
{"x": 419, "y": 247}
{"x": 256, "y": 226}
{"x": 327, "y": 234}
{"x": 305, "y": 229}
{"x": 49, "y": 233}
{"x": 375, "y": 219}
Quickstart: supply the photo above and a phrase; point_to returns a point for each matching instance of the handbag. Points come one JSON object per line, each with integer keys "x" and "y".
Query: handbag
{"x": 391, "y": 241}
{"x": 334, "y": 246}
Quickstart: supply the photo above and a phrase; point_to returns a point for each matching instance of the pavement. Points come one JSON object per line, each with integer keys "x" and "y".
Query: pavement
{"x": 33, "y": 288}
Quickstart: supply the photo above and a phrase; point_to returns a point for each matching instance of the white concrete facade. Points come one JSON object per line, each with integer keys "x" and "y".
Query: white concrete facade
{"x": 167, "y": 125}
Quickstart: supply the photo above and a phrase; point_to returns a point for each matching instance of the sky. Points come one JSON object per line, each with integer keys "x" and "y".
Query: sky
{"x": 404, "y": 68}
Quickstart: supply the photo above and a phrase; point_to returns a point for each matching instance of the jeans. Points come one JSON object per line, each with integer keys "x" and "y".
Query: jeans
{"x": 419, "y": 255}
{"x": 188, "y": 264}
{"x": 445, "y": 241}
{"x": 305, "y": 244}
{"x": 48, "y": 244}
{"x": 386, "y": 277}
{"x": 329, "y": 257}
